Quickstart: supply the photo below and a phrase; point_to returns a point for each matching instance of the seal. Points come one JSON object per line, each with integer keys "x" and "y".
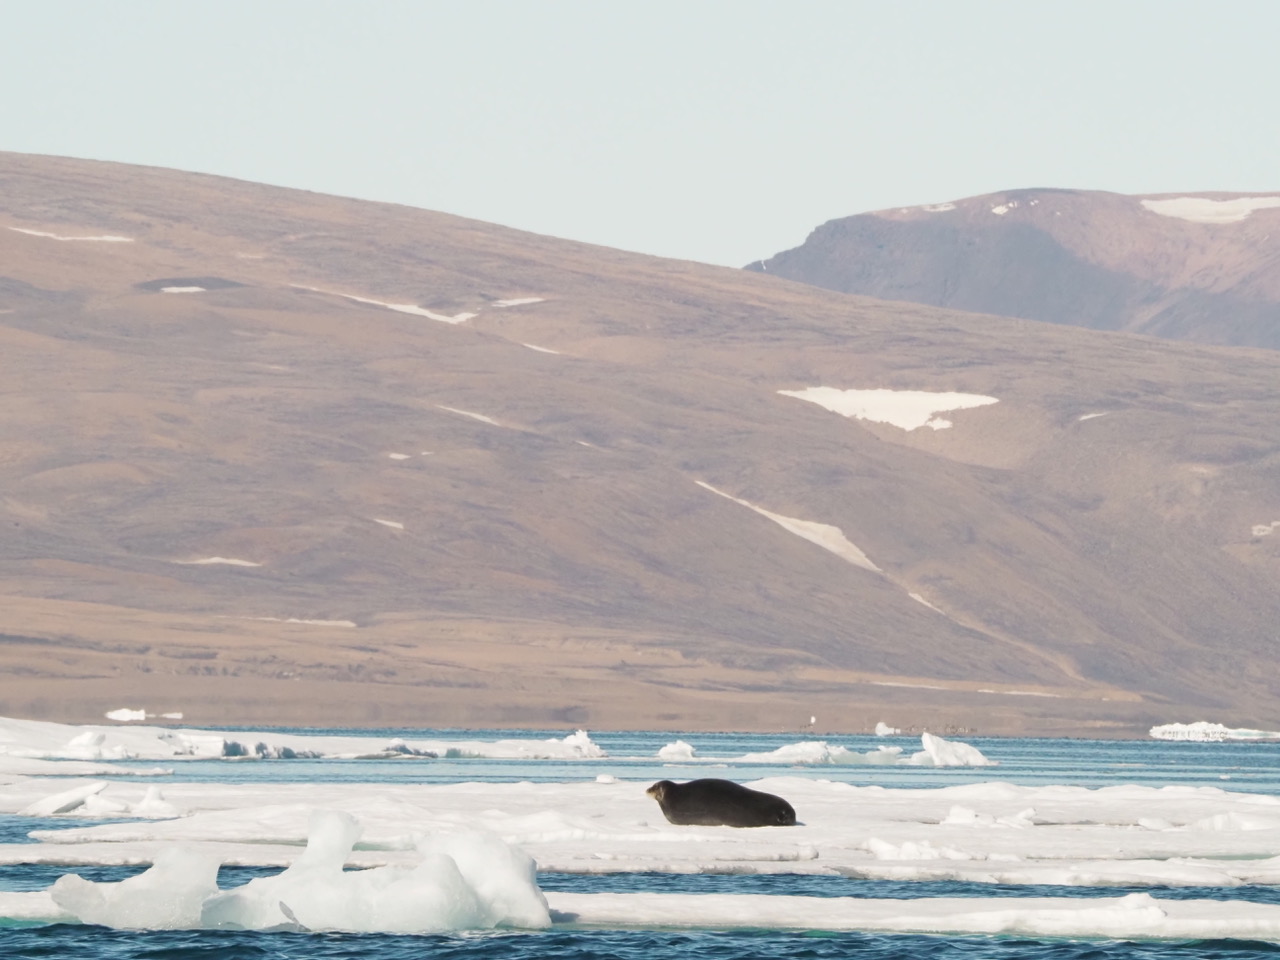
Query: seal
{"x": 714, "y": 803}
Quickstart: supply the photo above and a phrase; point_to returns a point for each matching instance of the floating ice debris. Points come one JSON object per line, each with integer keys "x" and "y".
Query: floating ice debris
{"x": 676, "y": 751}
{"x": 464, "y": 881}
{"x": 884, "y": 730}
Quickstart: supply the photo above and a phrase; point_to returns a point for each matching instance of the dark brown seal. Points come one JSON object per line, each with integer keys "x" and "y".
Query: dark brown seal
{"x": 713, "y": 803}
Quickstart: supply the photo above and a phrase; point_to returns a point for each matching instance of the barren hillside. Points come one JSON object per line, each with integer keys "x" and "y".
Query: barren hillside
{"x": 274, "y": 456}
{"x": 1204, "y": 268}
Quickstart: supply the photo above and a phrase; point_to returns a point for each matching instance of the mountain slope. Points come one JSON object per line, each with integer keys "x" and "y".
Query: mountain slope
{"x": 280, "y": 457}
{"x": 1204, "y": 268}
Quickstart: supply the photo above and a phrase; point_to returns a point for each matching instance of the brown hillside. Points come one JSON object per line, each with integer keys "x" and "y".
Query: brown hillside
{"x": 505, "y": 519}
{"x": 1203, "y": 267}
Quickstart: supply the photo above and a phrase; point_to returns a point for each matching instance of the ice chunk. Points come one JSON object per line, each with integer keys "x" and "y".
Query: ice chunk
{"x": 125, "y": 715}
{"x": 948, "y": 753}
{"x": 62, "y": 802}
{"x": 677, "y": 751}
{"x": 168, "y": 896}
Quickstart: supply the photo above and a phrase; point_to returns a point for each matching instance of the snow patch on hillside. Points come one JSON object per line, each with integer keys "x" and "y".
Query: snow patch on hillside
{"x": 1206, "y": 210}
{"x": 182, "y": 289}
{"x": 53, "y": 236}
{"x": 938, "y": 207}
{"x": 907, "y": 409}
{"x": 393, "y": 524}
{"x": 229, "y": 561}
{"x": 467, "y": 413}
{"x": 517, "y": 302}
{"x": 1265, "y": 529}
{"x": 823, "y": 534}
{"x": 411, "y": 308}
{"x": 540, "y": 349}
{"x": 309, "y": 623}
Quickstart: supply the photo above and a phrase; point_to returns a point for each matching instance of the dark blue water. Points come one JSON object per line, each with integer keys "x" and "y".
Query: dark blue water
{"x": 1247, "y": 767}
{"x": 64, "y": 942}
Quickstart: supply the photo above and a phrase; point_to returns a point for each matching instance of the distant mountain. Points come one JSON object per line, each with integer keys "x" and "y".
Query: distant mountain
{"x": 1204, "y": 268}
{"x": 269, "y": 456}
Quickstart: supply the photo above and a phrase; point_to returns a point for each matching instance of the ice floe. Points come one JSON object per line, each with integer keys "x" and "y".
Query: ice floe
{"x": 125, "y": 715}
{"x": 908, "y": 409}
{"x": 404, "y": 857}
{"x": 1208, "y": 210}
{"x": 825, "y": 535}
{"x": 1207, "y": 732}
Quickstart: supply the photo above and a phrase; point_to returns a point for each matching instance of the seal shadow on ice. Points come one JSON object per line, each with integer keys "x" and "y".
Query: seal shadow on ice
{"x": 713, "y": 803}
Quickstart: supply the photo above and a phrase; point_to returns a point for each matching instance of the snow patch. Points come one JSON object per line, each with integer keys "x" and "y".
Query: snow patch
{"x": 393, "y": 524}
{"x": 467, "y": 413}
{"x": 540, "y": 349}
{"x": 411, "y": 308}
{"x": 1090, "y": 416}
{"x": 938, "y": 207}
{"x": 825, "y": 535}
{"x": 919, "y": 599}
{"x": 310, "y": 623}
{"x": 1265, "y": 529}
{"x": 182, "y": 289}
{"x": 1207, "y": 210}
{"x": 53, "y": 236}
{"x": 228, "y": 561}
{"x": 908, "y": 409}
{"x": 398, "y": 456}
{"x": 517, "y": 301}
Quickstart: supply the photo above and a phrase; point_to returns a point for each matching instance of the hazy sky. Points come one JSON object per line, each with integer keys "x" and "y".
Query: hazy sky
{"x": 715, "y": 130}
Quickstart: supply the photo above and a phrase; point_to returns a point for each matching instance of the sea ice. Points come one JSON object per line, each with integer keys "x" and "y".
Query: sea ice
{"x": 1204, "y": 731}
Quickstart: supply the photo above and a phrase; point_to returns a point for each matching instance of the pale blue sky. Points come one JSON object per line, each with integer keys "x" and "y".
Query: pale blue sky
{"x": 704, "y": 129}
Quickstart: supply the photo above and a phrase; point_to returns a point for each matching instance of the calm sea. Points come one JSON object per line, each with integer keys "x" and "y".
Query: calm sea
{"x": 1247, "y": 767}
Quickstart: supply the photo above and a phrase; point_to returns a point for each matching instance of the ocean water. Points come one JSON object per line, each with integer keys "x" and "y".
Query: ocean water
{"x": 1249, "y": 767}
